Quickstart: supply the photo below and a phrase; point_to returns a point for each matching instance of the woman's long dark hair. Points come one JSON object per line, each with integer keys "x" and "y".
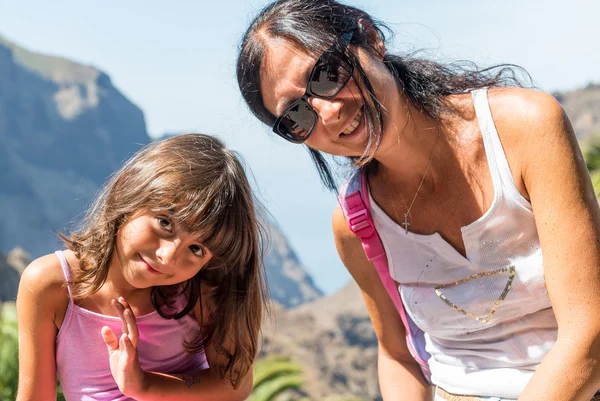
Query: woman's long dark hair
{"x": 314, "y": 25}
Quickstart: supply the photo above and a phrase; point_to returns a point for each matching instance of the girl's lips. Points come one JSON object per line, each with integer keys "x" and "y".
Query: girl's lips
{"x": 150, "y": 268}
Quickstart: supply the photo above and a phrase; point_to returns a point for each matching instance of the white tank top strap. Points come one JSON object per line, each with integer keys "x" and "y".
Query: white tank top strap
{"x": 66, "y": 271}
{"x": 498, "y": 164}
{"x": 490, "y": 309}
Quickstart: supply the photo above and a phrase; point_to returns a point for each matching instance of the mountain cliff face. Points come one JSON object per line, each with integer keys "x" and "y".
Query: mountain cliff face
{"x": 583, "y": 108}
{"x": 11, "y": 267}
{"x": 333, "y": 340}
{"x": 64, "y": 128}
{"x": 289, "y": 283}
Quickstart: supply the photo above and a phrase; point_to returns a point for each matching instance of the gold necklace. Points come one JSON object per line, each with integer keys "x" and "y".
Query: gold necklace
{"x": 406, "y": 223}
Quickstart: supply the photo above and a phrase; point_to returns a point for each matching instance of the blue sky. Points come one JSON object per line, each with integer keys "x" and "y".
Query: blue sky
{"x": 176, "y": 61}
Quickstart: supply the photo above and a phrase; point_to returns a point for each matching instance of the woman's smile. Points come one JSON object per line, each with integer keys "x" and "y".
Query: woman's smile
{"x": 356, "y": 127}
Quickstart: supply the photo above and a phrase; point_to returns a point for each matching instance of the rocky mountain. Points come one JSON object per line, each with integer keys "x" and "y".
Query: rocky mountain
{"x": 11, "y": 267}
{"x": 583, "y": 108}
{"x": 289, "y": 283}
{"x": 64, "y": 128}
{"x": 333, "y": 340}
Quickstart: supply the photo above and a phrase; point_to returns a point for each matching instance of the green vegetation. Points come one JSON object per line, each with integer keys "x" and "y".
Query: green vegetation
{"x": 591, "y": 155}
{"x": 9, "y": 358}
{"x": 9, "y": 354}
{"x": 274, "y": 375}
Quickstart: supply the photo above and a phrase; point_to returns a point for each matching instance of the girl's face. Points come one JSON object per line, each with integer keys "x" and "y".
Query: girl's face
{"x": 341, "y": 127}
{"x": 151, "y": 251}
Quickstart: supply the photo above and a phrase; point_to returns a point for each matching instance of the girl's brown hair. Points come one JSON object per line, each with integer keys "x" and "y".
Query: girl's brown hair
{"x": 204, "y": 189}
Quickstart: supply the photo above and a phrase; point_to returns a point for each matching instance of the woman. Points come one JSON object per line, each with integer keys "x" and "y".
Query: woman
{"x": 471, "y": 179}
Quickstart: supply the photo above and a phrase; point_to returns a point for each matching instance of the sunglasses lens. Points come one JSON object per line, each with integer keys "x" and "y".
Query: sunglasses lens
{"x": 296, "y": 123}
{"x": 330, "y": 75}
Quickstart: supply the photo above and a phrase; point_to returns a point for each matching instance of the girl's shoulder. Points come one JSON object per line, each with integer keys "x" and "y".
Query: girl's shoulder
{"x": 44, "y": 279}
{"x": 45, "y": 274}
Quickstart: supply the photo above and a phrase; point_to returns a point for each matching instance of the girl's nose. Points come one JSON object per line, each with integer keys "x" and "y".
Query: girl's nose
{"x": 329, "y": 110}
{"x": 167, "y": 251}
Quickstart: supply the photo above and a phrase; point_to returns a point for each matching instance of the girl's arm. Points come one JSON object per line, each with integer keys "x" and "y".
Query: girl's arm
{"x": 568, "y": 222}
{"x": 205, "y": 386}
{"x": 40, "y": 293}
{"x": 400, "y": 376}
{"x": 150, "y": 386}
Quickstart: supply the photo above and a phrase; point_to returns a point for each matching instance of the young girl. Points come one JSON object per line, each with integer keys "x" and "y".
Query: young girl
{"x": 161, "y": 291}
{"x": 478, "y": 193}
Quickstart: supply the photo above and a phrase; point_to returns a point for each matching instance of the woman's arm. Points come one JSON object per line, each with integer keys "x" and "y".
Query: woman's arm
{"x": 40, "y": 292}
{"x": 400, "y": 376}
{"x": 568, "y": 222}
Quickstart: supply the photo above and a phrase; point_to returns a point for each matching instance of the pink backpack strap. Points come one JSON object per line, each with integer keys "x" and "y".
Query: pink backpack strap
{"x": 354, "y": 200}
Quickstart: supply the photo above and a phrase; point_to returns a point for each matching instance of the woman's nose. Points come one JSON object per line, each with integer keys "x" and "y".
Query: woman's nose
{"x": 329, "y": 110}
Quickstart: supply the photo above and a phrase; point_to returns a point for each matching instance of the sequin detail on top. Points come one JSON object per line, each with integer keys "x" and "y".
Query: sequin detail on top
{"x": 488, "y": 318}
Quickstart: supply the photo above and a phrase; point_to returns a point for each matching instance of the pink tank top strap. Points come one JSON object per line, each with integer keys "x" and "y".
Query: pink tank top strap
{"x": 66, "y": 271}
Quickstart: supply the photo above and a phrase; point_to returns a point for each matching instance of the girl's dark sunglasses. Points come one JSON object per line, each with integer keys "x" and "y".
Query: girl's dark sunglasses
{"x": 330, "y": 74}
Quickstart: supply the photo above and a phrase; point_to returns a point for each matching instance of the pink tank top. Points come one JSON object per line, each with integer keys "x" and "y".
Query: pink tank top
{"x": 82, "y": 358}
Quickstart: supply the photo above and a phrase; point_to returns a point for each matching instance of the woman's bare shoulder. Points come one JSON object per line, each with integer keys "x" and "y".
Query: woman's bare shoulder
{"x": 525, "y": 118}
{"x": 511, "y": 107}
{"x": 521, "y": 109}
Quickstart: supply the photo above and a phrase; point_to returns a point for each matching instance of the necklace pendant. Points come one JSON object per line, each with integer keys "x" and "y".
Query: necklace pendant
{"x": 406, "y": 223}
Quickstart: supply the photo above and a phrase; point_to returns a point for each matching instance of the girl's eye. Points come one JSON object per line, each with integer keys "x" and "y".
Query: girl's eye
{"x": 164, "y": 223}
{"x": 197, "y": 250}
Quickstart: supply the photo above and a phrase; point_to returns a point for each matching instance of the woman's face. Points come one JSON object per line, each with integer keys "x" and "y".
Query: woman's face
{"x": 341, "y": 127}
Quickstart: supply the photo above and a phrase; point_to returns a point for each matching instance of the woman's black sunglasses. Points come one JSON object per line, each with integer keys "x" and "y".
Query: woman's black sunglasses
{"x": 330, "y": 74}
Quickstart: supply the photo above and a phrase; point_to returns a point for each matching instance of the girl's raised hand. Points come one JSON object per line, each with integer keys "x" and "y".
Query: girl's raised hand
{"x": 122, "y": 353}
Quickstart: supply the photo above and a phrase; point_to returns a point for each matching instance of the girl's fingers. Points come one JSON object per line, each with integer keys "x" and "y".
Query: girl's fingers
{"x": 128, "y": 346}
{"x": 110, "y": 339}
{"x": 123, "y": 302}
{"x": 128, "y": 353}
{"x": 118, "y": 307}
{"x": 129, "y": 316}
{"x": 132, "y": 328}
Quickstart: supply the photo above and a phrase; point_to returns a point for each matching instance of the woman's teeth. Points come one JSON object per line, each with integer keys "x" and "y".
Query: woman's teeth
{"x": 350, "y": 129}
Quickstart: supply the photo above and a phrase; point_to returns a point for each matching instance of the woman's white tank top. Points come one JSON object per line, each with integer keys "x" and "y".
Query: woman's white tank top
{"x": 487, "y": 316}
